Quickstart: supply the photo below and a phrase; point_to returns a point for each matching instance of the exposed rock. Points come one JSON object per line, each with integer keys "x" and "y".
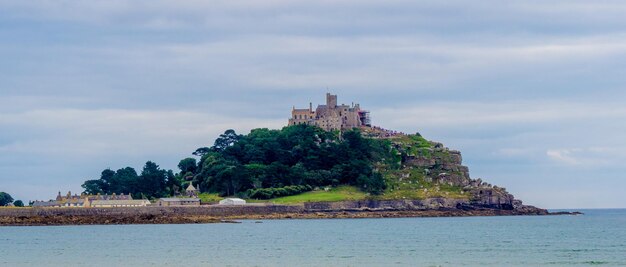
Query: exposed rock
{"x": 433, "y": 207}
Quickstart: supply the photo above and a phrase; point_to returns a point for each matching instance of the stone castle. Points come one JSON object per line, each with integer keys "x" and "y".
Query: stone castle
{"x": 331, "y": 116}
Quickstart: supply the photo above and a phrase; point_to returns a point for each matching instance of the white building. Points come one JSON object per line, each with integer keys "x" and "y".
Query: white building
{"x": 232, "y": 201}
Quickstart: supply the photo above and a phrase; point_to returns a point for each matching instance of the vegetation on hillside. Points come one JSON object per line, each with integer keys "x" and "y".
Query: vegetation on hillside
{"x": 284, "y": 162}
{"x": 340, "y": 193}
{"x": 414, "y": 182}
{"x": 291, "y": 165}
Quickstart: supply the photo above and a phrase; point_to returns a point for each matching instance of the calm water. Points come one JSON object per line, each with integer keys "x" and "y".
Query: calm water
{"x": 596, "y": 238}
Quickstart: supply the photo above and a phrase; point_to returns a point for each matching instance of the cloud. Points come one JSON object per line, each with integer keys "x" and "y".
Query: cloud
{"x": 564, "y": 155}
{"x": 467, "y": 113}
{"x": 529, "y": 88}
{"x": 57, "y": 149}
{"x": 89, "y": 133}
{"x": 590, "y": 157}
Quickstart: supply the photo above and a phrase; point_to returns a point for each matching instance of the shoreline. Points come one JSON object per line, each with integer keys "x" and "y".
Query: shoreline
{"x": 197, "y": 215}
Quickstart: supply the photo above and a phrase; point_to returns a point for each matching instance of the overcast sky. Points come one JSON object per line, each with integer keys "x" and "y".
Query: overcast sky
{"x": 532, "y": 92}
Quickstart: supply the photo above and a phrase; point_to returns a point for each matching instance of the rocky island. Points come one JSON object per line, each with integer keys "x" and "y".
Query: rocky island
{"x": 327, "y": 163}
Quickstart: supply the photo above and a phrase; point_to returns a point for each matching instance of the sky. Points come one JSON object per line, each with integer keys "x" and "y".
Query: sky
{"x": 533, "y": 93}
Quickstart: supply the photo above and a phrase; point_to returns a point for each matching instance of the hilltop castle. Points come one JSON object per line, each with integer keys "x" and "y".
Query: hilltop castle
{"x": 331, "y": 116}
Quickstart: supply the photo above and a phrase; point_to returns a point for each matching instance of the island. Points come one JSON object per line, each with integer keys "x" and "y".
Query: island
{"x": 330, "y": 162}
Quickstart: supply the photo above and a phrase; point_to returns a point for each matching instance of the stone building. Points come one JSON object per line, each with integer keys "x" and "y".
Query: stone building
{"x": 331, "y": 116}
{"x": 119, "y": 203}
{"x": 84, "y": 201}
{"x": 191, "y": 191}
{"x": 166, "y": 202}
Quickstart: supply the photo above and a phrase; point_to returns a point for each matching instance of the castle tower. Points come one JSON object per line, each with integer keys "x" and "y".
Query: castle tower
{"x": 331, "y": 101}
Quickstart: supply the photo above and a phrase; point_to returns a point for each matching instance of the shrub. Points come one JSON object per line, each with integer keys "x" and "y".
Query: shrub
{"x": 267, "y": 193}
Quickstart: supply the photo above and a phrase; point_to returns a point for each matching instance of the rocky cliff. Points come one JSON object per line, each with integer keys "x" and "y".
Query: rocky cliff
{"x": 424, "y": 169}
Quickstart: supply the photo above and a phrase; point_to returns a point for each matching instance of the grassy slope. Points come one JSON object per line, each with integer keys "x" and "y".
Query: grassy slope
{"x": 209, "y": 198}
{"x": 340, "y": 193}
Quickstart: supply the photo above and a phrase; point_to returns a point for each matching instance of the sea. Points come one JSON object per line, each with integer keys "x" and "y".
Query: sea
{"x": 596, "y": 238}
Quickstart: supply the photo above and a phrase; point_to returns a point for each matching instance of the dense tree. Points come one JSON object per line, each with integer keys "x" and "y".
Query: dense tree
{"x": 18, "y": 203}
{"x": 93, "y": 187}
{"x": 188, "y": 165}
{"x": 5, "y": 199}
{"x": 152, "y": 183}
{"x": 295, "y": 155}
{"x": 124, "y": 180}
{"x": 174, "y": 184}
{"x": 265, "y": 162}
{"x": 225, "y": 140}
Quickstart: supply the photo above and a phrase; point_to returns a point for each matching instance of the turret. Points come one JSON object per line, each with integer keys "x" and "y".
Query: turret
{"x": 331, "y": 101}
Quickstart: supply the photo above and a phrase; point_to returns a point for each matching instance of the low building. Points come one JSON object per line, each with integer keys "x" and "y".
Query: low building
{"x": 83, "y": 201}
{"x": 232, "y": 201}
{"x": 120, "y": 203}
{"x": 168, "y": 202}
{"x": 46, "y": 204}
{"x": 74, "y": 202}
{"x": 110, "y": 197}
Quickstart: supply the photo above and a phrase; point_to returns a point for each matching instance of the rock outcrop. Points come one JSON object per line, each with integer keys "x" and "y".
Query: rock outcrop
{"x": 443, "y": 166}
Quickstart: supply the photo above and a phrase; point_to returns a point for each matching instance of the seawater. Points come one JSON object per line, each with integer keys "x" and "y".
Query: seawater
{"x": 596, "y": 238}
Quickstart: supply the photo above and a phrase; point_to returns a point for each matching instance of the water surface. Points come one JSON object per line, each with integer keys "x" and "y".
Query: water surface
{"x": 596, "y": 238}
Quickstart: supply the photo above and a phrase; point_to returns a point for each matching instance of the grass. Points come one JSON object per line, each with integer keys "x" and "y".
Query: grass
{"x": 423, "y": 194}
{"x": 340, "y": 193}
{"x": 208, "y": 198}
{"x": 412, "y": 140}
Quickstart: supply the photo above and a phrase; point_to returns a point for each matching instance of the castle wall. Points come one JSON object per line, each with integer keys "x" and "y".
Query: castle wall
{"x": 301, "y": 116}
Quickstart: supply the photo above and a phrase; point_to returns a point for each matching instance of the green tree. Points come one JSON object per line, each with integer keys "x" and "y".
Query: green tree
{"x": 153, "y": 180}
{"x": 295, "y": 155}
{"x": 257, "y": 173}
{"x": 174, "y": 183}
{"x": 201, "y": 151}
{"x": 18, "y": 203}
{"x": 106, "y": 179}
{"x": 270, "y": 162}
{"x": 225, "y": 140}
{"x": 124, "y": 180}
{"x": 188, "y": 165}
{"x": 93, "y": 187}
{"x": 5, "y": 199}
